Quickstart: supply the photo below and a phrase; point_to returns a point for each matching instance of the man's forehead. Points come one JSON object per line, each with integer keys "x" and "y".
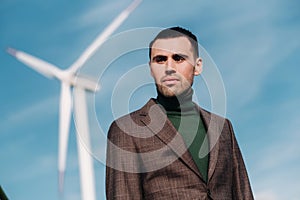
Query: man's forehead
{"x": 175, "y": 45}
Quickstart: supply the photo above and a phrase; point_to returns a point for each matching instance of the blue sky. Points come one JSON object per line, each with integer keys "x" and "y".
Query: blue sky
{"x": 254, "y": 44}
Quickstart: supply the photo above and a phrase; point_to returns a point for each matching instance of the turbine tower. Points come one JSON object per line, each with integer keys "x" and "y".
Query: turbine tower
{"x": 69, "y": 79}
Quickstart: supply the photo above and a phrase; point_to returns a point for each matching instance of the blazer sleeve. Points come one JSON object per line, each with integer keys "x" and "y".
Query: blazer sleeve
{"x": 241, "y": 188}
{"x": 120, "y": 182}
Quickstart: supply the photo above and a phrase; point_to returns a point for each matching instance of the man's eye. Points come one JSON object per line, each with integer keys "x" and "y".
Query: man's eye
{"x": 160, "y": 59}
{"x": 178, "y": 58}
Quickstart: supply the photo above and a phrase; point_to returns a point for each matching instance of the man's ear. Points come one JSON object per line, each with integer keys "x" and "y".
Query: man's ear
{"x": 198, "y": 67}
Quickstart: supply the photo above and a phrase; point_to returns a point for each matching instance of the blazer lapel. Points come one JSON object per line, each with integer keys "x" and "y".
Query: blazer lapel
{"x": 167, "y": 133}
{"x": 214, "y": 126}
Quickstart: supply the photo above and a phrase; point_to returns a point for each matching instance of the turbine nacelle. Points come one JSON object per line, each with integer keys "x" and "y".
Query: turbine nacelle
{"x": 85, "y": 83}
{"x": 75, "y": 80}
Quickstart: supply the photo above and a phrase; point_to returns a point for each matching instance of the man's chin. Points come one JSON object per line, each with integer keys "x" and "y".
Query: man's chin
{"x": 168, "y": 91}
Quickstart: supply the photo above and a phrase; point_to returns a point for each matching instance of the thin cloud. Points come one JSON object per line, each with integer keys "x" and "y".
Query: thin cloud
{"x": 283, "y": 151}
{"x": 280, "y": 152}
{"x": 39, "y": 166}
{"x": 30, "y": 113}
{"x": 266, "y": 195}
{"x": 253, "y": 66}
{"x": 98, "y": 15}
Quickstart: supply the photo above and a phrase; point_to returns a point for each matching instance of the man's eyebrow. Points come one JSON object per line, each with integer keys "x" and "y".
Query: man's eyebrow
{"x": 181, "y": 55}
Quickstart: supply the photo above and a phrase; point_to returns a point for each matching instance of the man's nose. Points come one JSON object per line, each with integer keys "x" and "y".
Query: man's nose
{"x": 170, "y": 67}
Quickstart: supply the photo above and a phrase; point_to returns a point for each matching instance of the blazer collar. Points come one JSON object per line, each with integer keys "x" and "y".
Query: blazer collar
{"x": 214, "y": 126}
{"x": 165, "y": 131}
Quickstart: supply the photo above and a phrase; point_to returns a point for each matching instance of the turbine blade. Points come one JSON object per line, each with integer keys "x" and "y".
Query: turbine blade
{"x": 87, "y": 181}
{"x": 103, "y": 36}
{"x": 35, "y": 63}
{"x": 64, "y": 126}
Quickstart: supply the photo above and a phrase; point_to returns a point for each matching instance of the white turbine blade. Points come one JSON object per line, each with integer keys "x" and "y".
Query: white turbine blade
{"x": 64, "y": 126}
{"x": 35, "y": 63}
{"x": 103, "y": 36}
{"x": 87, "y": 181}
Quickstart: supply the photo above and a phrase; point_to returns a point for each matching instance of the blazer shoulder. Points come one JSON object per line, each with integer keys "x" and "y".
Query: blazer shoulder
{"x": 133, "y": 117}
{"x": 143, "y": 111}
{"x": 212, "y": 120}
{"x": 208, "y": 114}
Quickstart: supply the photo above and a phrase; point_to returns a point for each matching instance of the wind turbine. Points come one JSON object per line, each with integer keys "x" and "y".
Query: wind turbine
{"x": 68, "y": 79}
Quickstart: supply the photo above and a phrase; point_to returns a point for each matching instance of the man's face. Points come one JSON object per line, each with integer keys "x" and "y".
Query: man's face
{"x": 173, "y": 65}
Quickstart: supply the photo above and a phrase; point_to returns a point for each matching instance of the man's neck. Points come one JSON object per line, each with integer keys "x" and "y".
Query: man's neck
{"x": 180, "y": 103}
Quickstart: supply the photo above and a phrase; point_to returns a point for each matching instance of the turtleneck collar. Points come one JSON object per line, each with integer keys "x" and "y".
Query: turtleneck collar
{"x": 180, "y": 103}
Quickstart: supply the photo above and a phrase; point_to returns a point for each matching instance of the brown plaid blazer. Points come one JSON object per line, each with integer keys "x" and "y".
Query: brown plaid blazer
{"x": 148, "y": 159}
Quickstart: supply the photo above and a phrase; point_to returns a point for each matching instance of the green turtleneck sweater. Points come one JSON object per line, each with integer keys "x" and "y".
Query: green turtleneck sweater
{"x": 185, "y": 117}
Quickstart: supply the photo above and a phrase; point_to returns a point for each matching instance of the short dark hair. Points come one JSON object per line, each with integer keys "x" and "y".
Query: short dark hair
{"x": 174, "y": 32}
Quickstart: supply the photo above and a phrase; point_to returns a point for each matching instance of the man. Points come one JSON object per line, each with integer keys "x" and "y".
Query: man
{"x": 171, "y": 148}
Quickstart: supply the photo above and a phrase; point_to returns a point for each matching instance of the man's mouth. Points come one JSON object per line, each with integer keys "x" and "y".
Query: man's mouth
{"x": 170, "y": 81}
